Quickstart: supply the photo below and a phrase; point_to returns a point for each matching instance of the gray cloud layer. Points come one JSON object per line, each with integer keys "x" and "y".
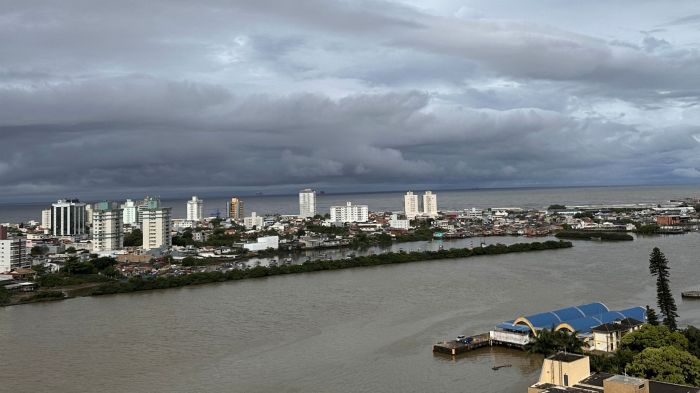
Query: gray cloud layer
{"x": 100, "y": 98}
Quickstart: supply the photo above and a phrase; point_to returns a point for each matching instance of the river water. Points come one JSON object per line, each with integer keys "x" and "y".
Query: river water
{"x": 356, "y": 330}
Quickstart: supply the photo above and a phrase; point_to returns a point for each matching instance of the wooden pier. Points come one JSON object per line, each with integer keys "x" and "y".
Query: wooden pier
{"x": 454, "y": 347}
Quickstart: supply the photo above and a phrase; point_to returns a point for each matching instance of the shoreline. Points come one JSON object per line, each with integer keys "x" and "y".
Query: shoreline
{"x": 165, "y": 282}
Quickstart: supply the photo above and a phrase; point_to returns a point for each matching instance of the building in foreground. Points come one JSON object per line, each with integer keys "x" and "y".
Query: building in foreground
{"x": 571, "y": 373}
{"x": 307, "y": 203}
{"x": 349, "y": 213}
{"x": 410, "y": 205}
{"x": 68, "y": 218}
{"x": 194, "y": 209}
{"x": 107, "y": 230}
{"x": 430, "y": 207}
{"x": 156, "y": 226}
{"x": 235, "y": 209}
{"x": 263, "y": 243}
{"x": 13, "y": 252}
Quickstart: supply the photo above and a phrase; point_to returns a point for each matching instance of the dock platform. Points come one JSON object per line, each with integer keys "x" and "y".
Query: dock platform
{"x": 455, "y": 347}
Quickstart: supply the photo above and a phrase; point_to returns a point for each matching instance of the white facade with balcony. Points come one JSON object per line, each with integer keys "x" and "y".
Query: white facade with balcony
{"x": 349, "y": 213}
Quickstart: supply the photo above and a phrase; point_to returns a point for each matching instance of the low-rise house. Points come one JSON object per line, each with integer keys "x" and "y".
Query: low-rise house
{"x": 607, "y": 336}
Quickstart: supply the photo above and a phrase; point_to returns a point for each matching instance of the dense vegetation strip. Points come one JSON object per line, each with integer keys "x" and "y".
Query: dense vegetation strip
{"x": 590, "y": 235}
{"x": 142, "y": 284}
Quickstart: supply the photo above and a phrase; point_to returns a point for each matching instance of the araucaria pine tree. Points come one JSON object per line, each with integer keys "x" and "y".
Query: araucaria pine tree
{"x": 658, "y": 266}
{"x": 652, "y": 318}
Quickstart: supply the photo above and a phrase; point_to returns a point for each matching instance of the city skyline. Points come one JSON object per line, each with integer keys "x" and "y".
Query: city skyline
{"x": 412, "y": 95}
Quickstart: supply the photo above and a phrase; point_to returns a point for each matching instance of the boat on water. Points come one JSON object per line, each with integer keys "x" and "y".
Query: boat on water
{"x": 691, "y": 294}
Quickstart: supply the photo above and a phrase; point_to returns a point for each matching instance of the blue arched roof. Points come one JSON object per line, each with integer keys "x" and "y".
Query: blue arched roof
{"x": 585, "y": 325}
{"x": 548, "y": 320}
{"x": 638, "y": 313}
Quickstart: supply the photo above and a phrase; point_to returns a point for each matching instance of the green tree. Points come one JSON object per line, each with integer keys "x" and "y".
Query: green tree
{"x": 548, "y": 342}
{"x": 693, "y": 335}
{"x": 666, "y": 364}
{"x": 658, "y": 266}
{"x": 556, "y": 207}
{"x": 134, "y": 238}
{"x": 650, "y": 336}
{"x": 70, "y": 250}
{"x": 652, "y": 318}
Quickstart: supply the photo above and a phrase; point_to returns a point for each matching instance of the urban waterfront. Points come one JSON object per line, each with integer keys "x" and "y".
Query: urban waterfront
{"x": 365, "y": 329}
{"x": 527, "y": 198}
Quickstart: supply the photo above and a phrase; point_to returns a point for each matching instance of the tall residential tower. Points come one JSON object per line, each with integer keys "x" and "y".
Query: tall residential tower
{"x": 307, "y": 203}
{"x": 410, "y": 204}
{"x": 194, "y": 209}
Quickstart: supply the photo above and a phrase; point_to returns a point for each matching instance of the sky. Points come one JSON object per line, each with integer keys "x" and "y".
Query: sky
{"x": 107, "y": 98}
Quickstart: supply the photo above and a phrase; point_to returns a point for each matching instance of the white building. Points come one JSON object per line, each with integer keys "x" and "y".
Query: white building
{"x": 13, "y": 252}
{"x": 46, "y": 219}
{"x": 607, "y": 337}
{"x": 474, "y": 213}
{"x": 148, "y": 203}
{"x": 68, "y": 218}
{"x": 107, "y": 230}
{"x": 253, "y": 221}
{"x": 396, "y": 223}
{"x": 430, "y": 207}
{"x": 349, "y": 213}
{"x": 194, "y": 209}
{"x": 263, "y": 243}
{"x": 307, "y": 203}
{"x": 88, "y": 213}
{"x": 410, "y": 205}
{"x": 129, "y": 213}
{"x": 156, "y": 226}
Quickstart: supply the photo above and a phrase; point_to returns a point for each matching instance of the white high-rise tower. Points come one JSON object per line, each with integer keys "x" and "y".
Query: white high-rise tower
{"x": 430, "y": 207}
{"x": 307, "y": 203}
{"x": 107, "y": 229}
{"x": 194, "y": 209}
{"x": 410, "y": 204}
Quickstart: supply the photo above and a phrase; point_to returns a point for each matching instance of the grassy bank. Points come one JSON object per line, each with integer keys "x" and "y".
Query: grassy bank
{"x": 590, "y": 235}
{"x": 140, "y": 284}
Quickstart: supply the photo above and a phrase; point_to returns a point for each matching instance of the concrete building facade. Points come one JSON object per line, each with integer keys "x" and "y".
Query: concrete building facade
{"x": 194, "y": 209}
{"x": 156, "y": 226}
{"x": 46, "y": 219}
{"x": 349, "y": 213}
{"x": 129, "y": 213}
{"x": 254, "y": 221}
{"x": 410, "y": 205}
{"x": 235, "y": 209}
{"x": 107, "y": 230}
{"x": 430, "y": 207}
{"x": 307, "y": 203}
{"x": 68, "y": 218}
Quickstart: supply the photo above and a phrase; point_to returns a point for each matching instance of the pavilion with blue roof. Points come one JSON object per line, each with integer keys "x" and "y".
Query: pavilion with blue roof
{"x": 580, "y": 319}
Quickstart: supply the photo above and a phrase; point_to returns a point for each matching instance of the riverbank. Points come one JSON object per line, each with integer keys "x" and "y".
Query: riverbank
{"x": 595, "y": 235}
{"x": 198, "y": 278}
{"x": 141, "y": 284}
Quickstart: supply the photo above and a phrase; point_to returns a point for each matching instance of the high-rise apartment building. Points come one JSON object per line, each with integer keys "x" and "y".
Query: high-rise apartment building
{"x": 430, "y": 207}
{"x": 129, "y": 213}
{"x": 107, "y": 230}
{"x": 46, "y": 219}
{"x": 156, "y": 225}
{"x": 68, "y": 218}
{"x": 13, "y": 252}
{"x": 410, "y": 205}
{"x": 307, "y": 203}
{"x": 349, "y": 213}
{"x": 235, "y": 209}
{"x": 194, "y": 209}
{"x": 148, "y": 203}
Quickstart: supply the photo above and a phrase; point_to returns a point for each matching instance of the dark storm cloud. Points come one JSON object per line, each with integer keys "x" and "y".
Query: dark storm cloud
{"x": 102, "y": 98}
